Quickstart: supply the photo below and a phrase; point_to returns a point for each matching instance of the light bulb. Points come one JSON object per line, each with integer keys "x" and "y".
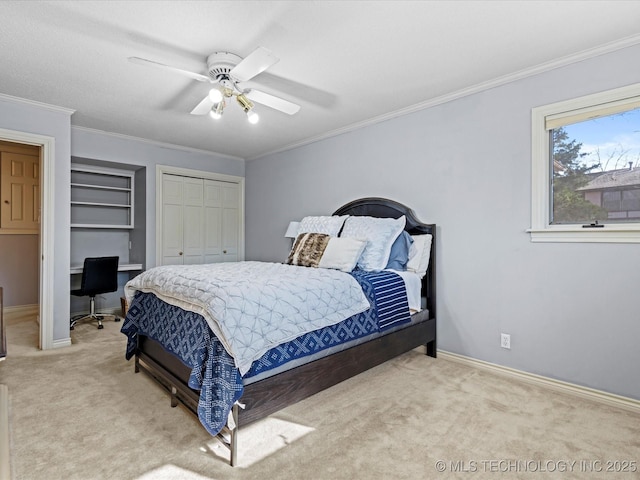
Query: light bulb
{"x": 253, "y": 117}
{"x": 216, "y": 110}
{"x": 215, "y": 95}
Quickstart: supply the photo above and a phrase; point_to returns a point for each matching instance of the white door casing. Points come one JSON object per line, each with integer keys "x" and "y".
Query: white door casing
{"x": 46, "y": 296}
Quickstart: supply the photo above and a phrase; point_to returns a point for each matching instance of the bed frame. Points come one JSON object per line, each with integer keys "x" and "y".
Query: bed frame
{"x": 271, "y": 394}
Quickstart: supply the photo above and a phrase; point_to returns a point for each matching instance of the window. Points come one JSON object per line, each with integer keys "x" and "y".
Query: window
{"x": 586, "y": 169}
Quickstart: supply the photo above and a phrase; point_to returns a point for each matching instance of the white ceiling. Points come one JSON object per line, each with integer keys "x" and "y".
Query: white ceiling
{"x": 347, "y": 63}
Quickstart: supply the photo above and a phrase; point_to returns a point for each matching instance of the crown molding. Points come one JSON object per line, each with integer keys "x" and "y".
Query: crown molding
{"x": 480, "y": 87}
{"x": 33, "y": 103}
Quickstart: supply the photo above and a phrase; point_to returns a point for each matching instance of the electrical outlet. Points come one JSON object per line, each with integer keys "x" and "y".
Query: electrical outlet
{"x": 505, "y": 340}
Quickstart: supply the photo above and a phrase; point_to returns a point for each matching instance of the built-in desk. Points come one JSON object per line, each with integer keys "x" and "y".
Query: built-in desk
{"x": 123, "y": 267}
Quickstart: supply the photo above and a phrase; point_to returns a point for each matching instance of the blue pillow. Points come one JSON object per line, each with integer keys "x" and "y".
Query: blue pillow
{"x": 399, "y": 255}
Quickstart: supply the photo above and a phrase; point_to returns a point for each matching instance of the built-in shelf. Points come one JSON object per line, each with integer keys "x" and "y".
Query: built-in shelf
{"x": 104, "y": 197}
{"x": 101, "y": 198}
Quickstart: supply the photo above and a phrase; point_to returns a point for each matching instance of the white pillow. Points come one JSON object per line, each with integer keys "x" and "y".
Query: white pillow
{"x": 419, "y": 254}
{"x": 329, "y": 225}
{"x": 380, "y": 234}
{"x": 342, "y": 253}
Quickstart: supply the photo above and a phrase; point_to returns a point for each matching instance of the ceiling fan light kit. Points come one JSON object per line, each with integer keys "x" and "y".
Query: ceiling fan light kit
{"x": 217, "y": 110}
{"x": 228, "y": 71}
{"x": 247, "y": 106}
{"x": 215, "y": 95}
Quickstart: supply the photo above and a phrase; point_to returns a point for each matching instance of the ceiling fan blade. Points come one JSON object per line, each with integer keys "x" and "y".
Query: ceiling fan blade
{"x": 203, "y": 107}
{"x": 271, "y": 101}
{"x": 144, "y": 61}
{"x": 253, "y": 64}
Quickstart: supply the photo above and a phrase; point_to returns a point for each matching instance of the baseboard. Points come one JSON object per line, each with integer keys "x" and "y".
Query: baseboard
{"x": 21, "y": 310}
{"x": 5, "y": 440}
{"x": 61, "y": 342}
{"x": 599, "y": 396}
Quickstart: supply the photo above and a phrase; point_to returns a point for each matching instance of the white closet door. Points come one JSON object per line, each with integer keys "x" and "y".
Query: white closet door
{"x": 200, "y": 220}
{"x": 230, "y": 219}
{"x": 172, "y": 220}
{"x": 193, "y": 233}
{"x": 213, "y": 221}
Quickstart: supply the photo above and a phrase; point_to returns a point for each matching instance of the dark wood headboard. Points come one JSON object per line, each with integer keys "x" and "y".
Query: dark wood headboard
{"x": 385, "y": 208}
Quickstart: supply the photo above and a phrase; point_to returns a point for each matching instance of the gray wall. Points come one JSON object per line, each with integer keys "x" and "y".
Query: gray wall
{"x": 571, "y": 309}
{"x": 44, "y": 121}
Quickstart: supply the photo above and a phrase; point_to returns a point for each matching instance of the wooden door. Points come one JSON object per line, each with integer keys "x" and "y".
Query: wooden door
{"x": 20, "y": 191}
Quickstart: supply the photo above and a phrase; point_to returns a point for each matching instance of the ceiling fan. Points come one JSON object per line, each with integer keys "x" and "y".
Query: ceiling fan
{"x": 227, "y": 71}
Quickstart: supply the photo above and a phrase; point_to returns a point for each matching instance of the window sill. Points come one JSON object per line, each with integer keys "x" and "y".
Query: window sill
{"x": 577, "y": 234}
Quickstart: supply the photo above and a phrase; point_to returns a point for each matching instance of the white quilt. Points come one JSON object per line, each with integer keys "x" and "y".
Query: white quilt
{"x": 254, "y": 306}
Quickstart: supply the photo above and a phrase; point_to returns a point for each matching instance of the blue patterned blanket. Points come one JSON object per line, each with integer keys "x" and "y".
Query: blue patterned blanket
{"x": 213, "y": 372}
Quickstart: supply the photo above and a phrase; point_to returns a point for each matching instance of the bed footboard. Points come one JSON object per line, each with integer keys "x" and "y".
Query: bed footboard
{"x": 262, "y": 398}
{"x": 267, "y": 396}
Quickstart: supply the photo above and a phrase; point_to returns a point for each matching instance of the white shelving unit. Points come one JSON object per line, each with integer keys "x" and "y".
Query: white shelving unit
{"x": 101, "y": 198}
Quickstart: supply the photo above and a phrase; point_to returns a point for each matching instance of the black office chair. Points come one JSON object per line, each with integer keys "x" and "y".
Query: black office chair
{"x": 99, "y": 275}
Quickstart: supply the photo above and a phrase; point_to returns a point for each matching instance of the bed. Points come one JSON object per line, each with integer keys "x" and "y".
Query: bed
{"x": 156, "y": 341}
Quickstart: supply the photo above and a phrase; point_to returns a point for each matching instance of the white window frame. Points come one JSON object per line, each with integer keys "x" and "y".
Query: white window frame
{"x": 543, "y": 119}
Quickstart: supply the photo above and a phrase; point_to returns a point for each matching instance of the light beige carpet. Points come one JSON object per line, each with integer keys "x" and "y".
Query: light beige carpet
{"x": 81, "y": 413}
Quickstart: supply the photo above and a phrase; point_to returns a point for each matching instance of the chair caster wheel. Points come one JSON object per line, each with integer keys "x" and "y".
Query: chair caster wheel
{"x": 100, "y": 327}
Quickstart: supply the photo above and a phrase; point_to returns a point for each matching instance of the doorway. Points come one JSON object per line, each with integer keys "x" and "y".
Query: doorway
{"x": 20, "y": 211}
{"x": 45, "y": 144}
